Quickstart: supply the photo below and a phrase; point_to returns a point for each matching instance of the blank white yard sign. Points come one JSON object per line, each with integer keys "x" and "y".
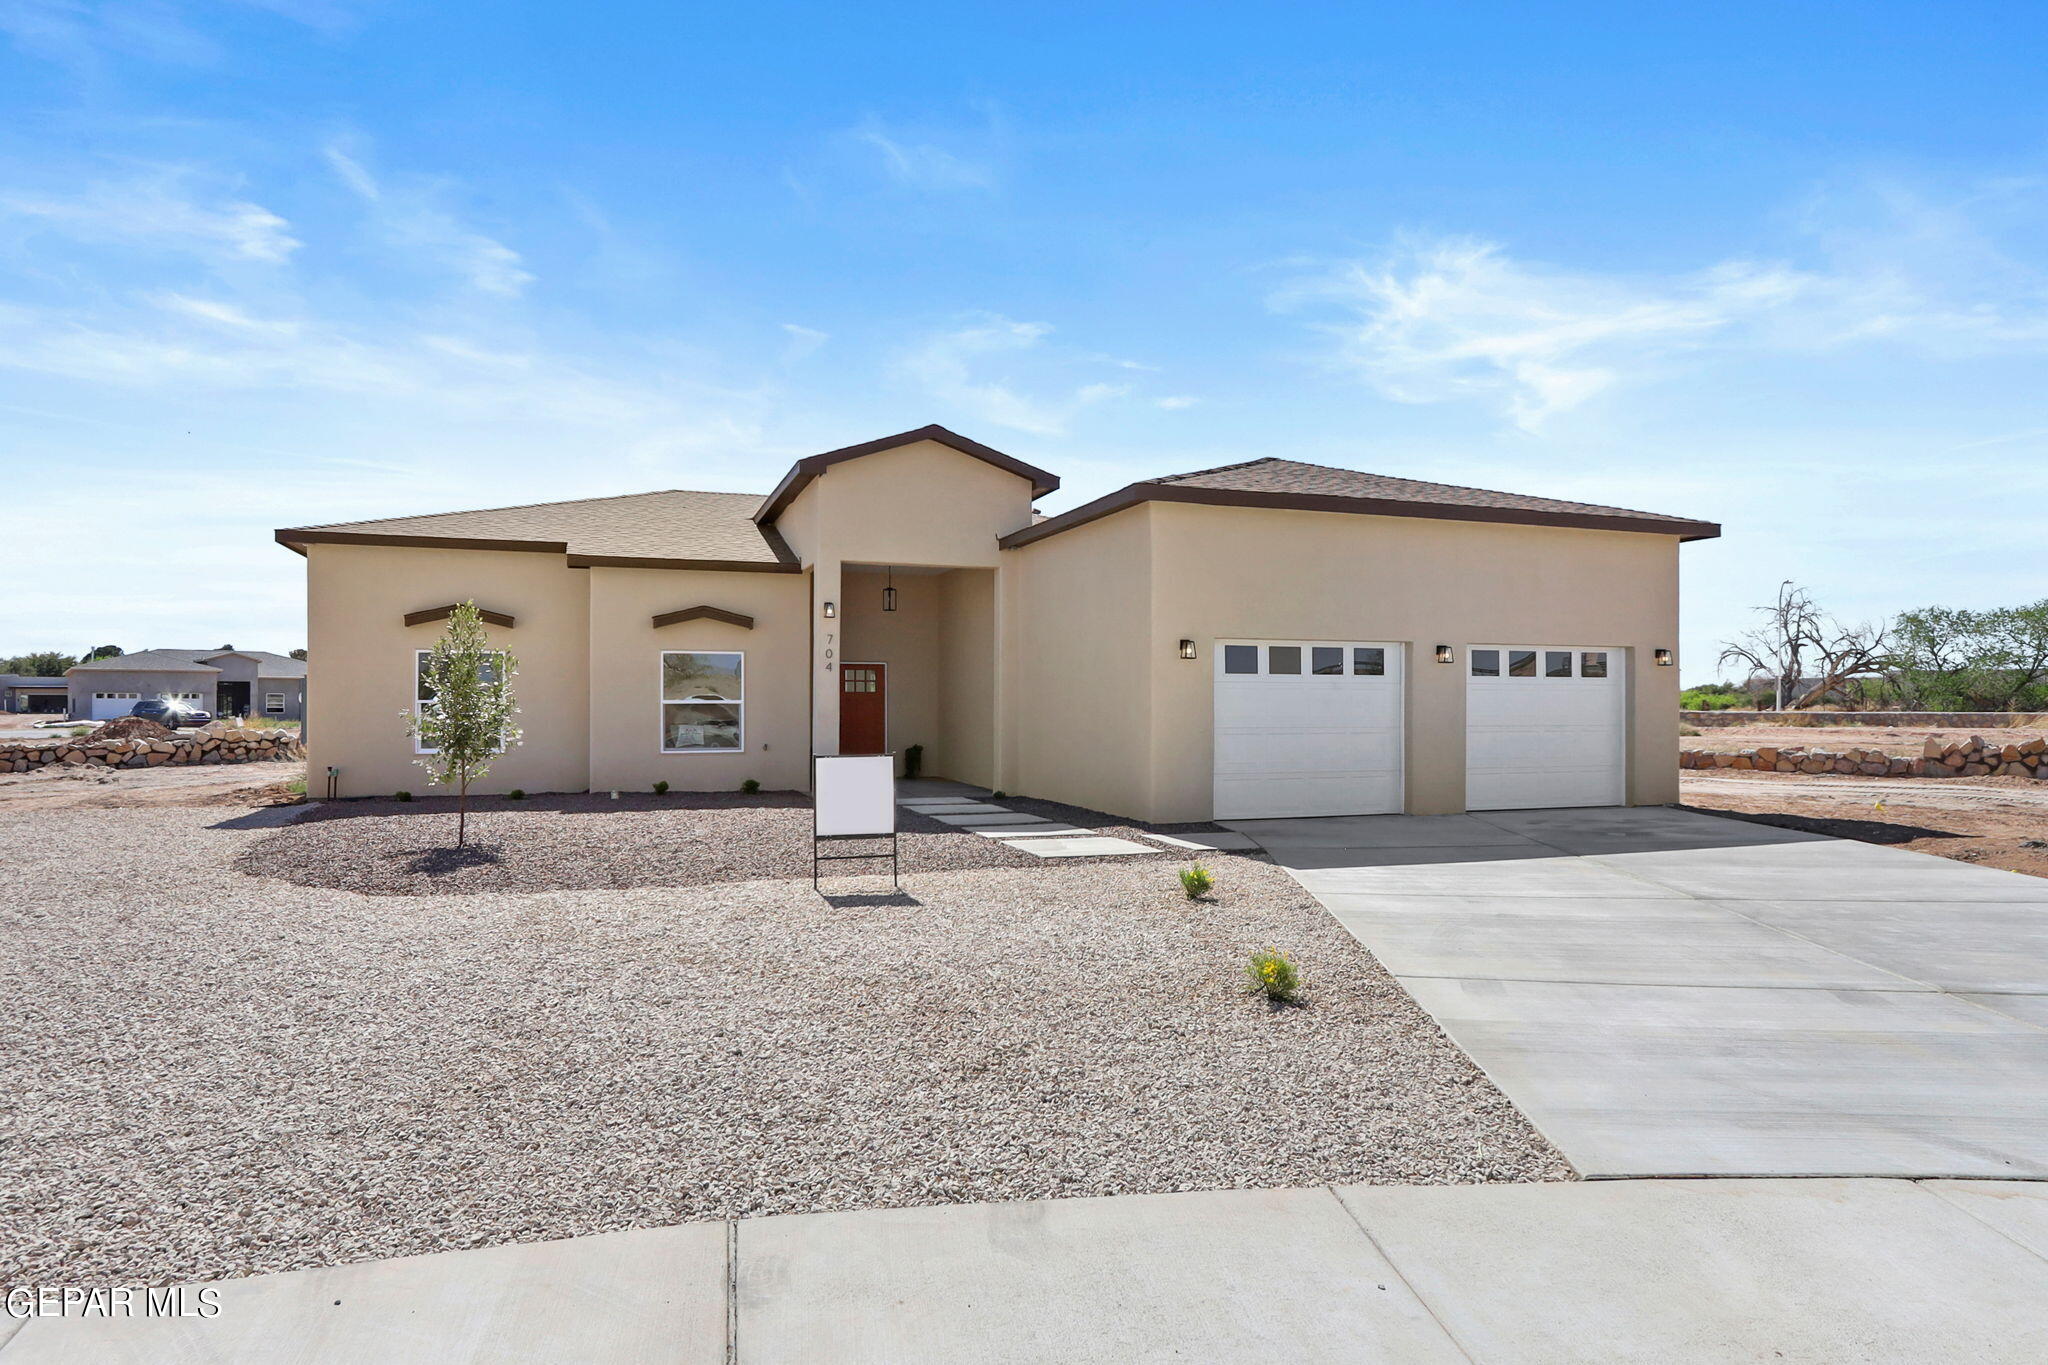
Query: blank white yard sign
{"x": 856, "y": 794}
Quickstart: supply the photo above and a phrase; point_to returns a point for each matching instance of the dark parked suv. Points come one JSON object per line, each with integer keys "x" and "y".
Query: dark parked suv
{"x": 170, "y": 714}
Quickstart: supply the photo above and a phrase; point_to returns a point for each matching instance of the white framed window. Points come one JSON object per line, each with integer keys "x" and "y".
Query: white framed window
{"x": 273, "y": 703}
{"x": 703, "y": 701}
{"x": 423, "y": 691}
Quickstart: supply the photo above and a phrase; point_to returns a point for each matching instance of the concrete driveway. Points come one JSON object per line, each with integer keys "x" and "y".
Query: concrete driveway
{"x": 1669, "y": 993}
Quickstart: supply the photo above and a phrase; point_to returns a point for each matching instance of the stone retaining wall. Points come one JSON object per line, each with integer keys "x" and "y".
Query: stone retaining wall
{"x": 217, "y": 743}
{"x": 1913, "y": 720}
{"x": 1971, "y": 757}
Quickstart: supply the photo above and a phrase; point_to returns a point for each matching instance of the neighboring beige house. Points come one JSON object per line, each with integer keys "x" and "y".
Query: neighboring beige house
{"x": 226, "y": 682}
{"x": 1267, "y": 638}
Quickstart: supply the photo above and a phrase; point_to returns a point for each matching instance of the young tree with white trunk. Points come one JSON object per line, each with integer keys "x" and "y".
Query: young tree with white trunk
{"x": 466, "y": 716}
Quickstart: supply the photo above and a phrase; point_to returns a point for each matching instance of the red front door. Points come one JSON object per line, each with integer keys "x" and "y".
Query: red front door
{"x": 863, "y": 708}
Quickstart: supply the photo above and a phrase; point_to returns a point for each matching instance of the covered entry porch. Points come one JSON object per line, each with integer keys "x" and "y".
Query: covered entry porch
{"x": 914, "y": 666}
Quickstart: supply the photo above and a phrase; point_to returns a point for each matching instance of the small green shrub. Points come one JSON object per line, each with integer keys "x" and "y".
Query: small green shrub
{"x": 661, "y": 789}
{"x": 750, "y": 786}
{"x": 1273, "y": 975}
{"x": 298, "y": 786}
{"x": 401, "y": 795}
{"x": 997, "y": 796}
{"x": 913, "y": 760}
{"x": 1196, "y": 880}
{"x": 516, "y": 794}
{"x": 1688, "y": 732}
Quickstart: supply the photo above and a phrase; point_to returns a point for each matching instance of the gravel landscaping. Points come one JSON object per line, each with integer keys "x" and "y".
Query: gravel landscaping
{"x": 591, "y": 841}
{"x": 215, "y": 1074}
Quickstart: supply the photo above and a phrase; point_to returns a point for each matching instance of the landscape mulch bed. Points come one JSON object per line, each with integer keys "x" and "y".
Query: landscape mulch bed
{"x": 590, "y": 840}
{"x": 212, "y": 1075}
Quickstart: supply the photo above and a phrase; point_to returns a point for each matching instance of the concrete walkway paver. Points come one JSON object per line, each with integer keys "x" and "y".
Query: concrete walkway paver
{"x": 657, "y": 1294}
{"x": 1780, "y": 1270}
{"x": 962, "y": 807}
{"x": 1232, "y": 1275}
{"x": 1664, "y": 992}
{"x": 1624, "y": 1271}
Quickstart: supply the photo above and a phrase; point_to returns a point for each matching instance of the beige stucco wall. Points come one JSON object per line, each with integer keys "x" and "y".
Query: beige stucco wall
{"x": 624, "y": 664}
{"x": 923, "y": 503}
{"x": 1076, "y": 684}
{"x": 967, "y": 661}
{"x": 1103, "y": 607}
{"x": 361, "y": 670}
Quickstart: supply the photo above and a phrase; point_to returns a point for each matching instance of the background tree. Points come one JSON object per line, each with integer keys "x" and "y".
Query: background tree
{"x": 46, "y": 664}
{"x": 1956, "y": 659}
{"x": 105, "y": 652}
{"x": 467, "y": 718}
{"x": 1806, "y": 653}
{"x": 299, "y": 654}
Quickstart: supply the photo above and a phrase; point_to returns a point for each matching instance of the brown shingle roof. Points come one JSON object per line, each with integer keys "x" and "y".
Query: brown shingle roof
{"x": 676, "y": 528}
{"x": 1323, "y": 488}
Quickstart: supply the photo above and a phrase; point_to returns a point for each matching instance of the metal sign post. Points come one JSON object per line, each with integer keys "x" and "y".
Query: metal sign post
{"x": 853, "y": 796}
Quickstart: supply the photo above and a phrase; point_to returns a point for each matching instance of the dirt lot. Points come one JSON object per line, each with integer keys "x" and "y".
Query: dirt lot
{"x": 1995, "y": 821}
{"x": 1898, "y": 743}
{"x": 62, "y": 787}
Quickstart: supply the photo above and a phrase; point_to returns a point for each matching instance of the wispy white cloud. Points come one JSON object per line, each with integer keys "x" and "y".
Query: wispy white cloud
{"x": 951, "y": 366}
{"x": 1174, "y": 402}
{"x": 1439, "y": 320}
{"x": 162, "y": 207}
{"x": 923, "y": 165}
{"x": 411, "y": 219}
{"x": 1434, "y": 320}
{"x": 802, "y": 341}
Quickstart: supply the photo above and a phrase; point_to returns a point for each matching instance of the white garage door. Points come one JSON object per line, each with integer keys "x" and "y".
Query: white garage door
{"x": 1546, "y": 725}
{"x": 1307, "y": 727}
{"x": 113, "y": 705}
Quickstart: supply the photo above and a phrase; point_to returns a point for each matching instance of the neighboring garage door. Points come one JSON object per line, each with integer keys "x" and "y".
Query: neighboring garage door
{"x": 113, "y": 705}
{"x": 1307, "y": 727}
{"x": 1545, "y": 725}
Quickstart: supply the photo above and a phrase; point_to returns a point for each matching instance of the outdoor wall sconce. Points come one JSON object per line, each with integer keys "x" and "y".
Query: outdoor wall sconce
{"x": 889, "y": 592}
{"x": 1663, "y": 657}
{"x": 831, "y": 611}
{"x": 1187, "y": 649}
{"x": 1443, "y": 654}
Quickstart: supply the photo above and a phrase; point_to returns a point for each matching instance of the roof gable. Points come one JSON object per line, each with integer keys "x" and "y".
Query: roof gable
{"x": 803, "y": 471}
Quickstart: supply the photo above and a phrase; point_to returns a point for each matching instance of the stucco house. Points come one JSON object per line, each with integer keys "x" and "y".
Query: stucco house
{"x": 28, "y": 692}
{"x": 1266, "y": 638}
{"x": 227, "y": 682}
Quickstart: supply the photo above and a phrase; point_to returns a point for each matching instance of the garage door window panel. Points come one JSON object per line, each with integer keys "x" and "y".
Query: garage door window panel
{"x": 1521, "y": 663}
{"x": 1486, "y": 663}
{"x": 1557, "y": 663}
{"x": 1283, "y": 659}
{"x": 1369, "y": 663}
{"x": 1327, "y": 660}
{"x": 1240, "y": 658}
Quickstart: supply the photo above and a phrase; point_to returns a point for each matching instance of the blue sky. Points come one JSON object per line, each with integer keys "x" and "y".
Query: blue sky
{"x": 290, "y": 261}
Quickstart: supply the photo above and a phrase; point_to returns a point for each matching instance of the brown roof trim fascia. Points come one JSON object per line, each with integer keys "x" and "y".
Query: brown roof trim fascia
{"x": 704, "y": 613}
{"x": 810, "y": 467}
{"x": 709, "y": 565}
{"x": 1379, "y": 507}
{"x": 432, "y": 614}
{"x": 298, "y": 539}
